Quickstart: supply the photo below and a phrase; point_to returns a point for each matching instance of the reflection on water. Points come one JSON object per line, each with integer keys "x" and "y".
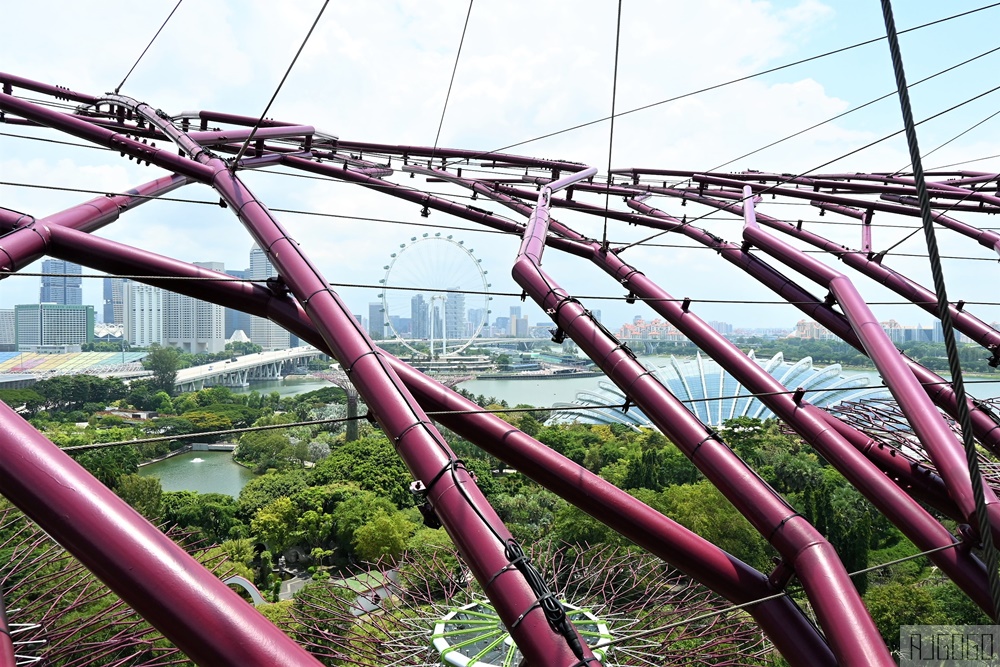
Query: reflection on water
{"x": 215, "y": 473}
{"x": 286, "y": 387}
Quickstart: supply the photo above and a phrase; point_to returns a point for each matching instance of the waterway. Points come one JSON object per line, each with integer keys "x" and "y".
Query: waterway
{"x": 204, "y": 472}
{"x": 544, "y": 393}
{"x": 286, "y": 387}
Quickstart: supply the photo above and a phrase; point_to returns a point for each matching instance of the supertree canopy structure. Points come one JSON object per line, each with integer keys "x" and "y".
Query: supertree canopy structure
{"x": 212, "y": 625}
{"x": 430, "y": 612}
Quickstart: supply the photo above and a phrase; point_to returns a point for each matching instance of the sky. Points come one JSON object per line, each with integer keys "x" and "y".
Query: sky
{"x": 379, "y": 71}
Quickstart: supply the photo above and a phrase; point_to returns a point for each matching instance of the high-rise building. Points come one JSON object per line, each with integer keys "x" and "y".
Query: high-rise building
{"x": 193, "y": 325}
{"x": 376, "y": 320}
{"x": 63, "y": 287}
{"x": 520, "y": 327}
{"x": 419, "y": 323}
{"x": 263, "y": 332}
{"x": 237, "y": 320}
{"x": 52, "y": 326}
{"x": 7, "y": 339}
{"x": 114, "y": 298}
{"x": 143, "y": 307}
{"x": 454, "y": 316}
{"x": 515, "y": 311}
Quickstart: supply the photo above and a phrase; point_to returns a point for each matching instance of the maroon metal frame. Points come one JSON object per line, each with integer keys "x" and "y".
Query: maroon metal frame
{"x": 93, "y": 524}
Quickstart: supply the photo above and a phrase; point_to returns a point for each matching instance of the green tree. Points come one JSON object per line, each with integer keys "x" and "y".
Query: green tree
{"x": 703, "y": 509}
{"x": 274, "y": 524}
{"x": 315, "y": 528}
{"x": 260, "y": 491}
{"x": 373, "y": 464}
{"x": 108, "y": 464}
{"x": 893, "y": 605}
{"x": 355, "y": 512}
{"x": 164, "y": 362}
{"x": 142, "y": 493}
{"x": 383, "y": 536}
{"x": 212, "y": 514}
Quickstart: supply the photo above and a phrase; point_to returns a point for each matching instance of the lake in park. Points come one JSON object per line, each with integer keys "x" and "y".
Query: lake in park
{"x": 204, "y": 472}
{"x": 215, "y": 472}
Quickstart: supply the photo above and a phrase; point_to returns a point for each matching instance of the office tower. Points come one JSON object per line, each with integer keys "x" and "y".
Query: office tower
{"x": 143, "y": 308}
{"x": 114, "y": 297}
{"x": 419, "y": 323}
{"x": 237, "y": 320}
{"x": 520, "y": 327}
{"x": 263, "y": 332}
{"x": 52, "y": 325}
{"x": 64, "y": 287}
{"x": 193, "y": 325}
{"x": 454, "y": 316}
{"x": 377, "y": 328}
{"x": 7, "y": 340}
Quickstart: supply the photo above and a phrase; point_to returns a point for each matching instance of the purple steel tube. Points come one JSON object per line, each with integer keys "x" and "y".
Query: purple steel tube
{"x": 983, "y": 237}
{"x": 794, "y": 636}
{"x": 968, "y": 324}
{"x": 939, "y": 390}
{"x": 920, "y": 481}
{"x": 852, "y": 634}
{"x": 811, "y": 423}
{"x": 59, "y": 92}
{"x": 477, "y": 531}
{"x": 200, "y": 614}
{"x": 29, "y": 238}
{"x": 8, "y": 656}
{"x": 927, "y": 423}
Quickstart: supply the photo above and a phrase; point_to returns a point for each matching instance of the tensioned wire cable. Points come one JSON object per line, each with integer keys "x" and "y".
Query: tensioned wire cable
{"x": 944, "y": 314}
{"x": 751, "y": 603}
{"x": 451, "y": 81}
{"x": 281, "y": 83}
{"x": 483, "y": 230}
{"x": 736, "y": 80}
{"x": 777, "y": 184}
{"x": 136, "y": 64}
{"x": 611, "y": 132}
{"x": 593, "y": 297}
{"x": 510, "y": 410}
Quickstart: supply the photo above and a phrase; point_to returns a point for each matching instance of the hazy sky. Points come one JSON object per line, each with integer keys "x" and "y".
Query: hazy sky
{"x": 378, "y": 71}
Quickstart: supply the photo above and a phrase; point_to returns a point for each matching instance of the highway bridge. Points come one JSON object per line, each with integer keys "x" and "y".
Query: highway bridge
{"x": 241, "y": 371}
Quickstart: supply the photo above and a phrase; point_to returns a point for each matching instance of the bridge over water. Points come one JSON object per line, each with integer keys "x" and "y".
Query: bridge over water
{"x": 241, "y": 371}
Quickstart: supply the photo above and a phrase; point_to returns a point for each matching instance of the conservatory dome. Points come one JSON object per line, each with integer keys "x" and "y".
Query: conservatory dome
{"x": 714, "y": 395}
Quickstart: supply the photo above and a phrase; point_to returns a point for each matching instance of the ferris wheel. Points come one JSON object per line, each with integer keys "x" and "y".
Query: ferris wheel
{"x": 435, "y": 297}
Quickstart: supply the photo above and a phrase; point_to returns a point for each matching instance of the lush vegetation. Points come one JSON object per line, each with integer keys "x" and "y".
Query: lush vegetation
{"x": 932, "y": 355}
{"x": 327, "y": 504}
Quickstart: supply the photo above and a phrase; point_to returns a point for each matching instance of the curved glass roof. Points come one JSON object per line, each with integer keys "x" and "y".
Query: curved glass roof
{"x": 714, "y": 395}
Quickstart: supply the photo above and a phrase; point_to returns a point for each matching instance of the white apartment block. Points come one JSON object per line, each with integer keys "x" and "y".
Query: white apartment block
{"x": 143, "y": 311}
{"x": 263, "y": 332}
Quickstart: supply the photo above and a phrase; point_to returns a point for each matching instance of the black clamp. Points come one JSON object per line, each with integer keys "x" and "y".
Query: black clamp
{"x": 430, "y": 517}
{"x": 277, "y": 286}
{"x": 686, "y": 304}
{"x": 797, "y": 396}
{"x": 558, "y": 335}
{"x": 630, "y": 298}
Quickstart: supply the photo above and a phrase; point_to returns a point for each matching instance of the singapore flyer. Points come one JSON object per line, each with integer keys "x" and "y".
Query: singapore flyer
{"x": 435, "y": 298}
